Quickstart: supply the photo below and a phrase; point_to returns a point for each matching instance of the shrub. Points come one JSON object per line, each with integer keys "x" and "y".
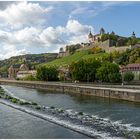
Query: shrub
{"x": 61, "y": 110}
{"x": 137, "y": 135}
{"x": 17, "y": 78}
{"x": 81, "y": 113}
{"x": 47, "y": 73}
{"x": 21, "y": 103}
{"x": 95, "y": 50}
{"x": 26, "y": 103}
{"x": 38, "y": 107}
{"x": 33, "y": 103}
{"x": 29, "y": 78}
{"x": 14, "y": 100}
{"x": 52, "y": 107}
{"x": 128, "y": 76}
{"x": 2, "y": 92}
{"x": 8, "y": 97}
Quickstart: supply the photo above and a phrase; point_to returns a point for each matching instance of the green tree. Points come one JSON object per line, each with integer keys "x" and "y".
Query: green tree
{"x": 29, "y": 78}
{"x": 73, "y": 48}
{"x": 47, "y": 73}
{"x": 132, "y": 41}
{"x": 115, "y": 77}
{"x": 113, "y": 37}
{"x": 104, "y": 37}
{"x": 128, "y": 76}
{"x": 84, "y": 70}
{"x": 108, "y": 72}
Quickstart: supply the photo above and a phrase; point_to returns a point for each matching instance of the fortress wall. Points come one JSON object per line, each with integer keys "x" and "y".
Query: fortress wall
{"x": 119, "y": 49}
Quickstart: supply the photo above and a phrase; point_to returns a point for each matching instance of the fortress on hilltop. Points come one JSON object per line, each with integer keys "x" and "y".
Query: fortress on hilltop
{"x": 108, "y": 42}
{"x": 111, "y": 42}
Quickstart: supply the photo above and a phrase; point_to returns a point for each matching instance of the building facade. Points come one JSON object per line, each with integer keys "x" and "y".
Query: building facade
{"x": 20, "y": 71}
{"x": 134, "y": 68}
{"x": 109, "y": 45}
{"x": 96, "y": 38}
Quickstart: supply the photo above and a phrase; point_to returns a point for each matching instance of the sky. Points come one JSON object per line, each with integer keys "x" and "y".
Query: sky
{"x": 45, "y": 26}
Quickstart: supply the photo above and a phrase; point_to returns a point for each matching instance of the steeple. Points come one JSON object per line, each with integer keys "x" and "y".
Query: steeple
{"x": 90, "y": 34}
{"x": 102, "y": 31}
{"x": 133, "y": 35}
{"x": 113, "y": 33}
{"x": 61, "y": 50}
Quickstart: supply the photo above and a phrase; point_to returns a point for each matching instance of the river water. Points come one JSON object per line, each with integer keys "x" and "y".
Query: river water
{"x": 115, "y": 110}
{"x": 16, "y": 124}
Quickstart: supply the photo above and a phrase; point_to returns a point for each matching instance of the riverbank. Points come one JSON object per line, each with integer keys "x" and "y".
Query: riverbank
{"x": 129, "y": 93}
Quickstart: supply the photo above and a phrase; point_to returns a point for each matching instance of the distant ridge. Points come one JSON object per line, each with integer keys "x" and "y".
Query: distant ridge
{"x": 31, "y": 59}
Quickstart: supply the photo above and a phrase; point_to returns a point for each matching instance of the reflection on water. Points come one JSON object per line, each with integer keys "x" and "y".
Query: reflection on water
{"x": 16, "y": 124}
{"x": 127, "y": 112}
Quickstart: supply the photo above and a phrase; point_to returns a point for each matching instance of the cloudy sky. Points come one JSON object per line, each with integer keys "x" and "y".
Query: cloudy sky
{"x": 39, "y": 27}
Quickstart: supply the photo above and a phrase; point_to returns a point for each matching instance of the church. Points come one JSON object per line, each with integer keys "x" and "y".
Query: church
{"x": 20, "y": 71}
{"x": 97, "y": 37}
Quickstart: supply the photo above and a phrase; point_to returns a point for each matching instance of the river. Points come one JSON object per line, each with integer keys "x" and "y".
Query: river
{"x": 115, "y": 110}
{"x": 16, "y": 124}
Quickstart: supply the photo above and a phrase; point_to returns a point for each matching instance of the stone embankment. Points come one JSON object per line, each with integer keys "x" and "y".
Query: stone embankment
{"x": 129, "y": 93}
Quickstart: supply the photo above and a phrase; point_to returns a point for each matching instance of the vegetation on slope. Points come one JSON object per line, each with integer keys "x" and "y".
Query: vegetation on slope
{"x": 32, "y": 60}
{"x": 124, "y": 58}
{"x": 85, "y": 54}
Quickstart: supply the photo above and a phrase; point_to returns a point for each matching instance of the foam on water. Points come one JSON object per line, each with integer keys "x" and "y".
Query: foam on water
{"x": 79, "y": 128}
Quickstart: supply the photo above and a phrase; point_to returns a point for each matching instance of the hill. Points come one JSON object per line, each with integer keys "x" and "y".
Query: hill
{"x": 122, "y": 58}
{"x": 31, "y": 59}
{"x": 85, "y": 54}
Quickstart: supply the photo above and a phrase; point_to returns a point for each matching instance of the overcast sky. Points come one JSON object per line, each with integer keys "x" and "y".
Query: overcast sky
{"x": 40, "y": 27}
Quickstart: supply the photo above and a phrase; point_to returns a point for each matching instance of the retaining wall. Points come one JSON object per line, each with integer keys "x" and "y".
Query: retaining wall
{"x": 117, "y": 93}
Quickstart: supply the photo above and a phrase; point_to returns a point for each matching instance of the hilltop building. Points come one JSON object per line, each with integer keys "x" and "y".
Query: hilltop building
{"x": 97, "y": 37}
{"x": 108, "y": 42}
{"x": 62, "y": 53}
{"x": 112, "y": 43}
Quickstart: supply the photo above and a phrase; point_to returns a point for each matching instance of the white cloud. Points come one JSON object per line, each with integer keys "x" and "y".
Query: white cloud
{"x": 78, "y": 39}
{"x": 52, "y": 35}
{"x": 83, "y": 11}
{"x": 9, "y": 50}
{"x": 24, "y": 14}
{"x": 50, "y": 38}
{"x": 73, "y": 26}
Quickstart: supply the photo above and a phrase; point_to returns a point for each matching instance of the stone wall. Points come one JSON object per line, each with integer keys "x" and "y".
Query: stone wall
{"x": 117, "y": 93}
{"x": 63, "y": 54}
{"x": 119, "y": 49}
{"x": 108, "y": 46}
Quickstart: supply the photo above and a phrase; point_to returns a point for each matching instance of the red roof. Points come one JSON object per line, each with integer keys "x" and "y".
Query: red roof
{"x": 133, "y": 65}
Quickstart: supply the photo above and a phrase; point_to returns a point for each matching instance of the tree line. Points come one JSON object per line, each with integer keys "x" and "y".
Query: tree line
{"x": 90, "y": 70}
